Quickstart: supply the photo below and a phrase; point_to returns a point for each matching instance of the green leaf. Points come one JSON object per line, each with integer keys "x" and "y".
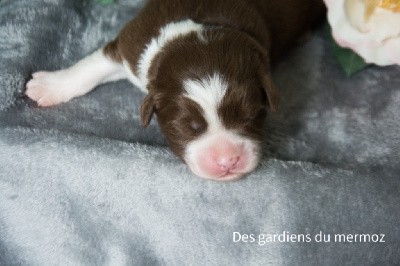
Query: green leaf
{"x": 105, "y": 2}
{"x": 347, "y": 58}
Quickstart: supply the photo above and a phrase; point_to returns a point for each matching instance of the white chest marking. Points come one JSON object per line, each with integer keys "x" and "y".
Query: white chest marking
{"x": 167, "y": 34}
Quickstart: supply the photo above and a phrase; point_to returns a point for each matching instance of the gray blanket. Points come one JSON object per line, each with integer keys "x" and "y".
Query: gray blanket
{"x": 83, "y": 184}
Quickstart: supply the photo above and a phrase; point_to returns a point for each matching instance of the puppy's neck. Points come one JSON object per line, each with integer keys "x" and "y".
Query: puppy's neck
{"x": 143, "y": 71}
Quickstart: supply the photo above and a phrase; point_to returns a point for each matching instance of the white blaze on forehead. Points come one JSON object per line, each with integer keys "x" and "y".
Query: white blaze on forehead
{"x": 168, "y": 33}
{"x": 208, "y": 92}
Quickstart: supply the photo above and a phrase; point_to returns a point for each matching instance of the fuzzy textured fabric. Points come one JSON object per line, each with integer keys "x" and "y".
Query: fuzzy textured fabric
{"x": 83, "y": 184}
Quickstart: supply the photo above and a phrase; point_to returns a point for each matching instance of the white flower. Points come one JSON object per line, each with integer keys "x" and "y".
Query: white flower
{"x": 370, "y": 27}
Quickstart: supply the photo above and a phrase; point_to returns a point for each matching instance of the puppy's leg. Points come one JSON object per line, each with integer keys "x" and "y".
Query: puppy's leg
{"x": 51, "y": 88}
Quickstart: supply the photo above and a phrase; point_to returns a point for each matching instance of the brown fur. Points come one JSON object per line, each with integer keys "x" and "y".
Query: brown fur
{"x": 245, "y": 37}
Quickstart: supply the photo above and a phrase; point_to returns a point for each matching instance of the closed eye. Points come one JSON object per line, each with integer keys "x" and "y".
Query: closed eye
{"x": 197, "y": 127}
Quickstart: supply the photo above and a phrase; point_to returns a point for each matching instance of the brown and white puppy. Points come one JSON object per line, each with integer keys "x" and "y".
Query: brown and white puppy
{"x": 205, "y": 66}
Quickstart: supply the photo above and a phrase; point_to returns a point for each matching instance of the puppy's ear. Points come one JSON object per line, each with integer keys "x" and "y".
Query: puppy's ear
{"x": 149, "y": 103}
{"x": 270, "y": 91}
{"x": 267, "y": 83}
{"x": 147, "y": 109}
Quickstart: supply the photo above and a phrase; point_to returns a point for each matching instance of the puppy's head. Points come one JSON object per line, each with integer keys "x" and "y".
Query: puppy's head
{"x": 211, "y": 94}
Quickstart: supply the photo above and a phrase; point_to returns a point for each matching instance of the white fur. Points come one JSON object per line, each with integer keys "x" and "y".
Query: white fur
{"x": 208, "y": 93}
{"x": 250, "y": 149}
{"x": 50, "y": 88}
{"x": 167, "y": 34}
{"x": 133, "y": 78}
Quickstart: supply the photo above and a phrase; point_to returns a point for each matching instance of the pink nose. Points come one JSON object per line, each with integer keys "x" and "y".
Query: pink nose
{"x": 223, "y": 158}
{"x": 227, "y": 162}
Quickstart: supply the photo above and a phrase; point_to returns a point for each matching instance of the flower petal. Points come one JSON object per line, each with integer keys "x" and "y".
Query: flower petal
{"x": 379, "y": 40}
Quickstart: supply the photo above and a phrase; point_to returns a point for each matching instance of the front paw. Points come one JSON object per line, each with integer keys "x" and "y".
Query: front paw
{"x": 46, "y": 88}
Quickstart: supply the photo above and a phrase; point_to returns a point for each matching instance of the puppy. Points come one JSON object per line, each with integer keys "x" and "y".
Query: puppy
{"x": 205, "y": 67}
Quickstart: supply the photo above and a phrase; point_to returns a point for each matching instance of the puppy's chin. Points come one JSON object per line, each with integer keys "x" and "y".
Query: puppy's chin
{"x": 226, "y": 176}
{"x": 222, "y": 157}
